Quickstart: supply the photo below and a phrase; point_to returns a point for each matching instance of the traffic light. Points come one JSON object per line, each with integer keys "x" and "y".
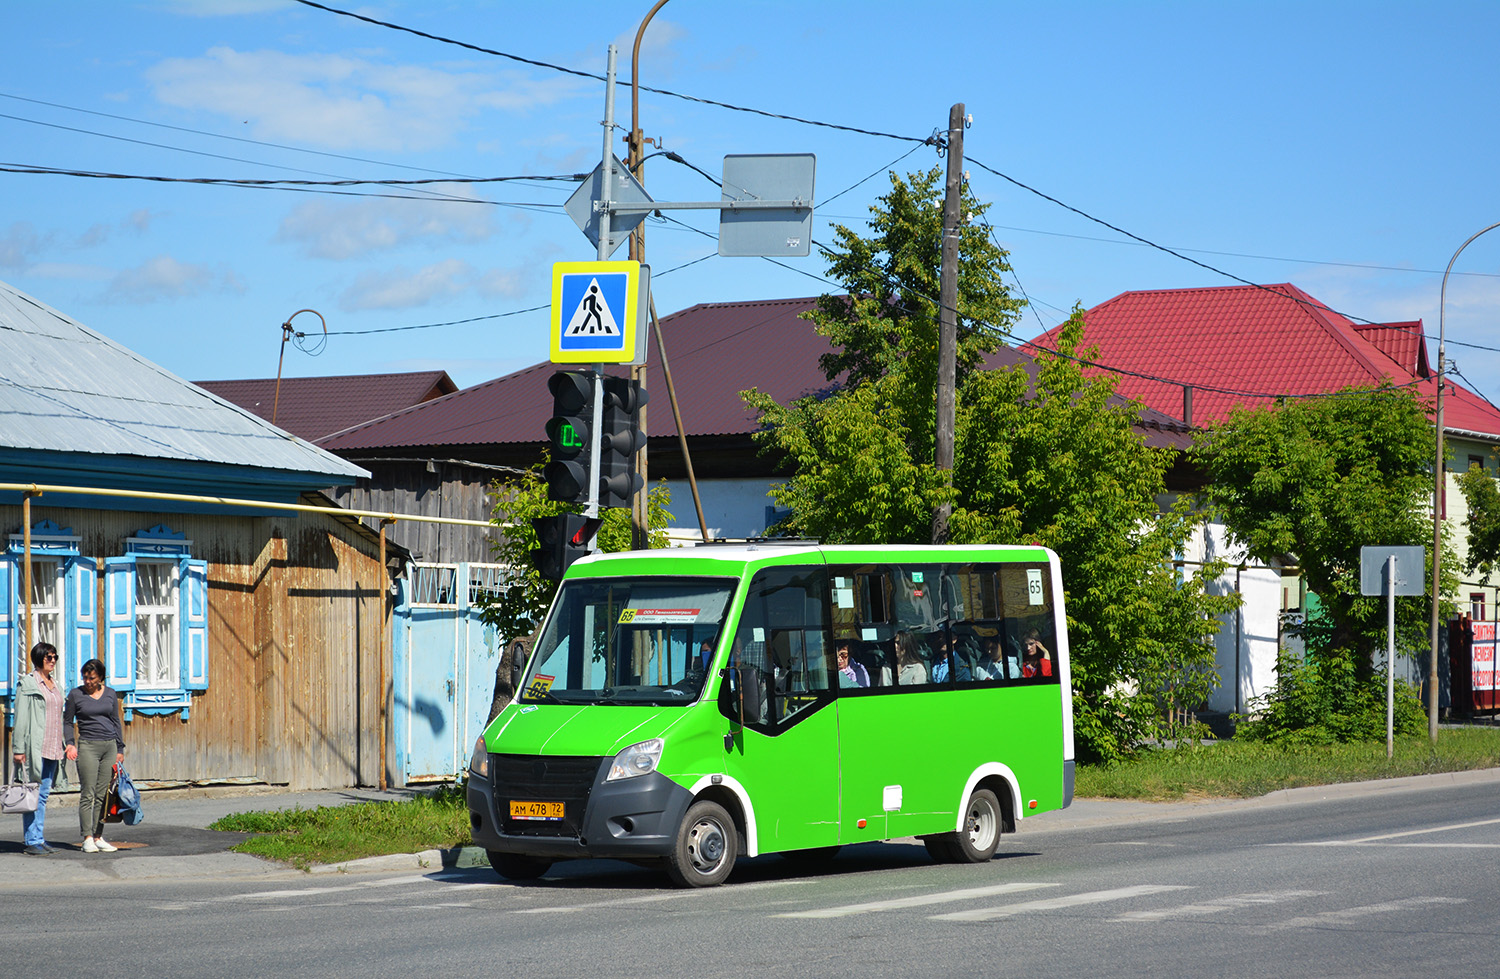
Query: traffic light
{"x": 567, "y": 474}
{"x": 619, "y": 440}
{"x": 563, "y": 539}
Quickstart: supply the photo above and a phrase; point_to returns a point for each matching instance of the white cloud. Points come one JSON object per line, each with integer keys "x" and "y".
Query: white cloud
{"x": 342, "y": 231}
{"x": 222, "y": 8}
{"x": 20, "y": 244}
{"x": 345, "y": 102}
{"x": 163, "y": 277}
{"x": 401, "y": 289}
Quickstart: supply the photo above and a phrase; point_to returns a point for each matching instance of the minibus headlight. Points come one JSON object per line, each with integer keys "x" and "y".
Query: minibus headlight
{"x": 479, "y": 761}
{"x": 638, "y": 759}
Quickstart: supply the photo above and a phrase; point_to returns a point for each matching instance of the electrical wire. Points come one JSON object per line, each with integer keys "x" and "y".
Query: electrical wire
{"x": 303, "y": 186}
{"x": 596, "y": 77}
{"x": 237, "y": 139}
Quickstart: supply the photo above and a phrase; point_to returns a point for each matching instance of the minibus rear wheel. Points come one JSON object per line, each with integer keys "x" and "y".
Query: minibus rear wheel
{"x": 518, "y": 866}
{"x": 706, "y": 846}
{"x": 976, "y": 842}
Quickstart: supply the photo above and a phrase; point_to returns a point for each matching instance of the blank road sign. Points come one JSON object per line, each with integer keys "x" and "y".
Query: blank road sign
{"x": 1411, "y": 569}
{"x": 784, "y": 232}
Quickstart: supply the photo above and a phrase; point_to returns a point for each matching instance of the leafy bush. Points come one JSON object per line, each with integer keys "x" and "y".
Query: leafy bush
{"x": 1323, "y": 700}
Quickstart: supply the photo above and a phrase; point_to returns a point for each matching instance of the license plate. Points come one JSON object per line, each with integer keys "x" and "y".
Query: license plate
{"x": 535, "y": 810}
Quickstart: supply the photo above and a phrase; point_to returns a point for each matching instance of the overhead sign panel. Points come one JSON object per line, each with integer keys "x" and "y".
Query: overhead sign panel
{"x": 583, "y": 206}
{"x": 755, "y": 179}
{"x": 596, "y": 312}
{"x": 1411, "y": 569}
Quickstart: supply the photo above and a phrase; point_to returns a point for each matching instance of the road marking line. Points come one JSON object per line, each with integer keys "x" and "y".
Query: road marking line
{"x": 1217, "y": 905}
{"x": 895, "y": 904}
{"x": 315, "y": 891}
{"x": 1419, "y": 832}
{"x": 1353, "y": 914}
{"x": 650, "y": 898}
{"x": 1057, "y": 903}
{"x": 1370, "y": 840}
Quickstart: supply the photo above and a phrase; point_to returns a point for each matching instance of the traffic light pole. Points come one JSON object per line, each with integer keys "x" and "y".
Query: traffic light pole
{"x": 606, "y": 245}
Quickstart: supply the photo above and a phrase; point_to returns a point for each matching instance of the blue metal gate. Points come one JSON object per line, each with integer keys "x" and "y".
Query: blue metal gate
{"x": 444, "y": 658}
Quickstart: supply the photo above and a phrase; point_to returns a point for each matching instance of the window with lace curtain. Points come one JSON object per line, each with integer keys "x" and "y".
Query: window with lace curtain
{"x": 157, "y": 656}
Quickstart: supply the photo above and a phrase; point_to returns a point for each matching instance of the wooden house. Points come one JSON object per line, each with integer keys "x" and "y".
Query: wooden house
{"x": 245, "y": 637}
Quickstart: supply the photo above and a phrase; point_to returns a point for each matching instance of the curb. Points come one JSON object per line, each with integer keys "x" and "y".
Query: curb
{"x": 453, "y": 857}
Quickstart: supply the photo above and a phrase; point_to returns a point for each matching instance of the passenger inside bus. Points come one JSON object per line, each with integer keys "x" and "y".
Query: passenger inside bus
{"x": 1036, "y": 659}
{"x": 910, "y": 670}
{"x": 851, "y": 673}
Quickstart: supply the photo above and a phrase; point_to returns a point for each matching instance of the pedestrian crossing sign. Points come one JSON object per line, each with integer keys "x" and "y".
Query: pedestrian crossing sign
{"x": 595, "y": 312}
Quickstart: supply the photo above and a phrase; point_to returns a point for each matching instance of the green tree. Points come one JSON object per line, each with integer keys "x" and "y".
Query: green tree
{"x": 1484, "y": 521}
{"x": 517, "y": 609}
{"x": 1050, "y": 461}
{"x": 1315, "y": 480}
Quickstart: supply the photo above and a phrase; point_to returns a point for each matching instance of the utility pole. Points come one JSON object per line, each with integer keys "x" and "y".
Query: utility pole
{"x": 948, "y": 316}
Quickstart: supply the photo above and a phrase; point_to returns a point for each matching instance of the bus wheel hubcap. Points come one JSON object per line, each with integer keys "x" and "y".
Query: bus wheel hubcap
{"x": 706, "y": 845}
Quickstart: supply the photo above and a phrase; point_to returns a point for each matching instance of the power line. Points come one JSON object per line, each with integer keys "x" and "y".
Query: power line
{"x": 237, "y": 139}
{"x": 304, "y": 186}
{"x": 1264, "y": 258}
{"x": 589, "y": 74}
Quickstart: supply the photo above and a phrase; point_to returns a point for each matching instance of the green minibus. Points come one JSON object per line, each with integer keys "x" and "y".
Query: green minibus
{"x": 685, "y": 707}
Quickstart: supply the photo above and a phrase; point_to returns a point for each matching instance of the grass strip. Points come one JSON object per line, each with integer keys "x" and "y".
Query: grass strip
{"x": 1238, "y": 769}
{"x": 337, "y": 834}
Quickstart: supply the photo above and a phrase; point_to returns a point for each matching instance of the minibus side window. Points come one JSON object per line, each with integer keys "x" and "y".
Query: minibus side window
{"x": 779, "y": 659}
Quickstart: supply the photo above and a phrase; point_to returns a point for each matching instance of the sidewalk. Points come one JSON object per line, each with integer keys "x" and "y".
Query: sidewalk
{"x": 175, "y": 841}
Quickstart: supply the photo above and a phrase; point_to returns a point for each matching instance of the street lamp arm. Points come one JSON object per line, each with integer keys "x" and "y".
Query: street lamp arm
{"x": 1439, "y": 478}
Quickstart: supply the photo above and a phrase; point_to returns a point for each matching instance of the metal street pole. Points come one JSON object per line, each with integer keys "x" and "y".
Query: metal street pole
{"x": 640, "y": 528}
{"x": 1439, "y": 486}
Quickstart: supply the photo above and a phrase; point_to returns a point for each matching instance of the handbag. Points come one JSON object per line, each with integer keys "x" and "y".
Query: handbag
{"x": 18, "y": 796}
{"x": 122, "y": 804}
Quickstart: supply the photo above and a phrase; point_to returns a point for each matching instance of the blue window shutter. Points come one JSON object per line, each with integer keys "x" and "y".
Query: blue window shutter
{"x": 9, "y": 652}
{"x": 83, "y": 615}
{"x": 119, "y": 622}
{"x": 192, "y": 603}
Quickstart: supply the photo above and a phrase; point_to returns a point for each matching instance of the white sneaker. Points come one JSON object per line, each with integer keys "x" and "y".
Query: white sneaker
{"x": 102, "y": 846}
{"x": 89, "y": 846}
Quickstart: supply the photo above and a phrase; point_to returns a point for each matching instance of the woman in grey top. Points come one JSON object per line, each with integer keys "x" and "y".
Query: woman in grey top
{"x": 95, "y": 709}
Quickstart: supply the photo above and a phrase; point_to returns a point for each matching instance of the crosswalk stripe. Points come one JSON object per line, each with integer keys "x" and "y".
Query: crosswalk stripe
{"x": 651, "y": 898}
{"x": 916, "y": 901}
{"x": 1217, "y": 905}
{"x": 1057, "y": 903}
{"x": 1354, "y": 914}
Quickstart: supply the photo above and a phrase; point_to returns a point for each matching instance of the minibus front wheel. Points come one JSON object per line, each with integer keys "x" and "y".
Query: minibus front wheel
{"x": 518, "y": 866}
{"x": 706, "y": 846}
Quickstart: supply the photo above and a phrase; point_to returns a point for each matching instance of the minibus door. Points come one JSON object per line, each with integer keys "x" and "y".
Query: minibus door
{"x": 781, "y": 746}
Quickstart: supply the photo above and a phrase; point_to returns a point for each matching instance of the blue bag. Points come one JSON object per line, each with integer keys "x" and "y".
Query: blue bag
{"x": 129, "y": 798}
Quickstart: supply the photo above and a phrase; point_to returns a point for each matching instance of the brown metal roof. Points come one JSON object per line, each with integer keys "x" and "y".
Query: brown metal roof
{"x": 715, "y": 350}
{"x": 312, "y": 407}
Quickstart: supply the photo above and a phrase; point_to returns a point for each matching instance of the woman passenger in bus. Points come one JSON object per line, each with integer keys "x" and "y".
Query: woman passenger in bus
{"x": 910, "y": 670}
{"x": 1036, "y": 659}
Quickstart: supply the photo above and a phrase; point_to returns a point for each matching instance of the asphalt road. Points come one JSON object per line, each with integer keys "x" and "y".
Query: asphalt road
{"x": 1391, "y": 880}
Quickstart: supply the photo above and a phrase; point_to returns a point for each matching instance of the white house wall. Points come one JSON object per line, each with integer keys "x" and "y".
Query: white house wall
{"x": 1247, "y": 641}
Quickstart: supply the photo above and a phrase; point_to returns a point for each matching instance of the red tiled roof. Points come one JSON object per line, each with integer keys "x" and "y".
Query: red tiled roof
{"x": 715, "y": 351}
{"x": 1242, "y": 346}
{"x": 313, "y": 407}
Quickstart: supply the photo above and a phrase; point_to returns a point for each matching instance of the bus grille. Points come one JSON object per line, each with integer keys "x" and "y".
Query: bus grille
{"x": 544, "y": 778}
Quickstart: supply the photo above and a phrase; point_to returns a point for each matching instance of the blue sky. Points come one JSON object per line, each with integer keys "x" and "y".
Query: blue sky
{"x": 1347, "y": 148}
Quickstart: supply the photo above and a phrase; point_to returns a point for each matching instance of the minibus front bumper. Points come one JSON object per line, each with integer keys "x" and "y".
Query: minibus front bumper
{"x": 633, "y": 818}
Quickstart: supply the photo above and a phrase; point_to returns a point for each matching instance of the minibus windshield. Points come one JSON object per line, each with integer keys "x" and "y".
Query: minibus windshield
{"x": 628, "y": 641}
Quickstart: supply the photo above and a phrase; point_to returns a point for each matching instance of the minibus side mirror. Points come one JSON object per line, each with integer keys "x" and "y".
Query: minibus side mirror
{"x": 517, "y": 663}
{"x": 729, "y": 694}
